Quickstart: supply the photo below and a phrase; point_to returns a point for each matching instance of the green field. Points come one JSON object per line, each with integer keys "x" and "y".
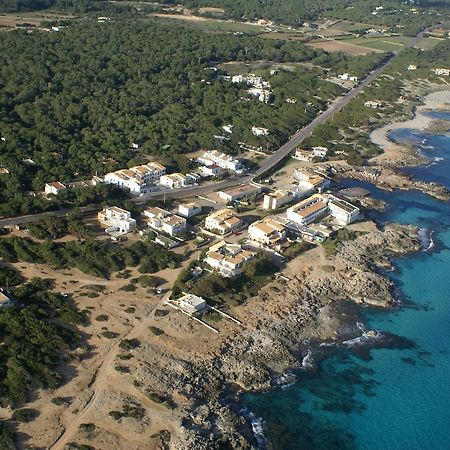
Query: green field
{"x": 352, "y": 26}
{"x": 382, "y": 43}
{"x": 213, "y": 24}
{"x": 427, "y": 43}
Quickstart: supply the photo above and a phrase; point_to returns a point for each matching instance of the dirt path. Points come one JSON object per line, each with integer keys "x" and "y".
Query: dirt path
{"x": 99, "y": 384}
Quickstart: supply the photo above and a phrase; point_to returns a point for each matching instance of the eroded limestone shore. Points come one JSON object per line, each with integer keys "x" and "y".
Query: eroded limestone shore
{"x": 280, "y": 326}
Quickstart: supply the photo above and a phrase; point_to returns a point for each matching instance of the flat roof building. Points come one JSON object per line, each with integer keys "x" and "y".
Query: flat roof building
{"x": 191, "y": 303}
{"x": 308, "y": 210}
{"x": 277, "y": 199}
{"x": 240, "y": 192}
{"x": 228, "y": 258}
{"x": 223, "y": 221}
{"x": 267, "y": 232}
{"x": 116, "y": 219}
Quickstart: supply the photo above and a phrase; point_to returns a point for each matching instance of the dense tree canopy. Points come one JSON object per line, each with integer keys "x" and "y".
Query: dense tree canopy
{"x": 73, "y": 102}
{"x": 32, "y": 342}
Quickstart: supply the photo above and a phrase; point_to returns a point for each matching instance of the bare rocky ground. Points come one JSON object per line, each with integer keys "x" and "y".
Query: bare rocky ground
{"x": 170, "y": 391}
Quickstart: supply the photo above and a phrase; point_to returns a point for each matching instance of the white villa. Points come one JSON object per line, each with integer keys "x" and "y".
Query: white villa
{"x": 161, "y": 220}
{"x": 221, "y": 159}
{"x": 116, "y": 219}
{"x": 445, "y": 72}
{"x": 191, "y": 303}
{"x": 310, "y": 181}
{"x": 267, "y": 232}
{"x": 260, "y": 131}
{"x": 189, "y": 209}
{"x": 347, "y": 76}
{"x": 54, "y": 188}
{"x": 320, "y": 152}
{"x": 223, "y": 221}
{"x": 136, "y": 179}
{"x": 227, "y": 258}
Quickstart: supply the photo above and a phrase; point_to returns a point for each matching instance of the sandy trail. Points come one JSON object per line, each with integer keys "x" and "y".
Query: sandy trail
{"x": 99, "y": 384}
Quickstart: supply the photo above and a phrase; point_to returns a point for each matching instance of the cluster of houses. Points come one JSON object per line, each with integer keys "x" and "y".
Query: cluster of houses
{"x": 442, "y": 72}
{"x": 152, "y": 176}
{"x": 118, "y": 221}
{"x": 138, "y": 179}
{"x": 309, "y": 155}
{"x": 260, "y": 89}
{"x": 299, "y": 221}
{"x": 214, "y": 162}
{"x": 348, "y": 77}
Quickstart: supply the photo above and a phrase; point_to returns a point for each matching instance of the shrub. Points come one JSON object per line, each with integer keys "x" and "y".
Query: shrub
{"x": 156, "y": 331}
{"x": 102, "y": 318}
{"x": 87, "y": 427}
{"x": 109, "y": 334}
{"x": 24, "y": 414}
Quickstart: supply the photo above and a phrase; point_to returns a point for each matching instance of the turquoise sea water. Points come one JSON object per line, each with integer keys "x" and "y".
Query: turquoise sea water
{"x": 399, "y": 399}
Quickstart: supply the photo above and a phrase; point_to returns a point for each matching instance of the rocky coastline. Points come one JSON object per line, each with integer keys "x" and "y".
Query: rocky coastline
{"x": 293, "y": 325}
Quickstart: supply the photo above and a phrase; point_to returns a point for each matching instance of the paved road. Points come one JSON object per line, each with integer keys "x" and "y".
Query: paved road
{"x": 273, "y": 160}
{"x": 268, "y": 164}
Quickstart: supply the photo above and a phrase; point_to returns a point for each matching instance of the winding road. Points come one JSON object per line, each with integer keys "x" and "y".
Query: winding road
{"x": 267, "y": 165}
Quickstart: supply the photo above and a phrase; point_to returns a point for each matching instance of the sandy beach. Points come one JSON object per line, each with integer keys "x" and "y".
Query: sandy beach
{"x": 393, "y": 152}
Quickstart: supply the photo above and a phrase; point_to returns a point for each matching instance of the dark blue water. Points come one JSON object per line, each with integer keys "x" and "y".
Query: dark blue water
{"x": 400, "y": 399}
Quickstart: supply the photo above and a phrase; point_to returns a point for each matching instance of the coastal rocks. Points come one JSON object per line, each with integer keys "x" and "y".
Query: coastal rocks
{"x": 389, "y": 178}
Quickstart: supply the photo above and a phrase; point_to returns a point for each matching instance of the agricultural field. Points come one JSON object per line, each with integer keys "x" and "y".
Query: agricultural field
{"x": 427, "y": 43}
{"x": 343, "y": 25}
{"x": 342, "y": 46}
{"x": 29, "y": 18}
{"x": 207, "y": 24}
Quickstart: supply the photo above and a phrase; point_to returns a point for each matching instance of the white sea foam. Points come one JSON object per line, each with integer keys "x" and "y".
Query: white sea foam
{"x": 426, "y": 239}
{"x": 307, "y": 362}
{"x": 285, "y": 380}
{"x": 258, "y": 431}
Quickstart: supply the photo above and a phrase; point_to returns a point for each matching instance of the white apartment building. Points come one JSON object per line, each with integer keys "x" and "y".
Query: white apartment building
{"x": 174, "y": 180}
{"x": 116, "y": 219}
{"x": 228, "y": 259}
{"x": 308, "y": 210}
{"x": 277, "y": 199}
{"x": 221, "y": 159}
{"x": 223, "y": 221}
{"x": 267, "y": 232}
{"x": 54, "y": 188}
{"x": 343, "y": 211}
{"x": 136, "y": 179}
